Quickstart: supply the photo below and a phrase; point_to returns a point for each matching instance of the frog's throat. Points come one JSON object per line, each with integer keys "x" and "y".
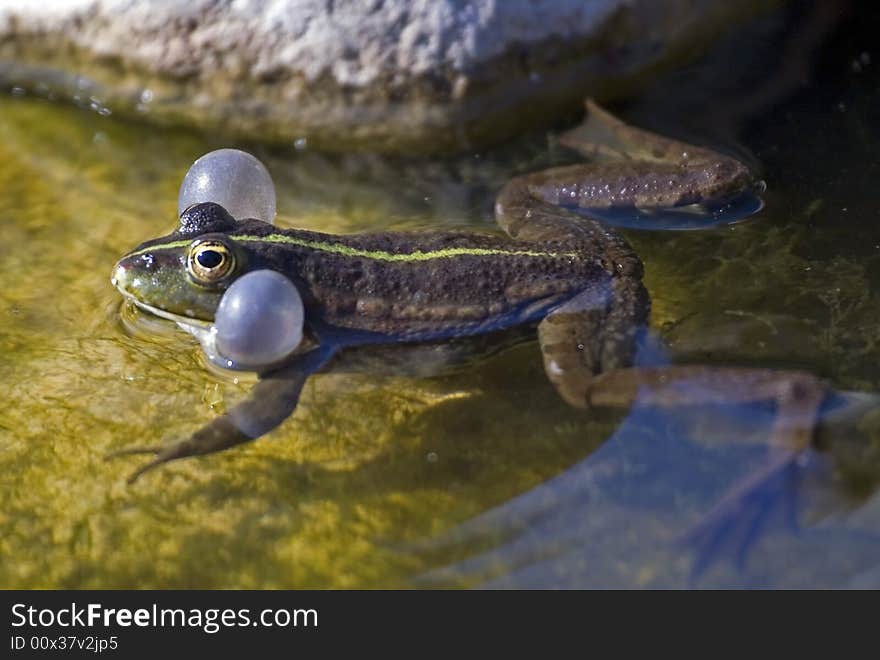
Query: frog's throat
{"x": 379, "y": 255}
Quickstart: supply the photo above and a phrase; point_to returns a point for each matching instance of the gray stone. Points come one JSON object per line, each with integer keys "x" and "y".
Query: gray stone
{"x": 393, "y": 75}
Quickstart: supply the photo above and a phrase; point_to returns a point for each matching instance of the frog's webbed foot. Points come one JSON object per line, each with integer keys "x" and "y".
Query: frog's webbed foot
{"x": 270, "y": 402}
{"x": 219, "y": 434}
{"x": 157, "y": 450}
{"x": 602, "y": 136}
{"x": 735, "y": 523}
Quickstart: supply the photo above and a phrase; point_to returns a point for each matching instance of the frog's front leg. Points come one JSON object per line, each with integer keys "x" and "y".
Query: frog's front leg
{"x": 272, "y": 400}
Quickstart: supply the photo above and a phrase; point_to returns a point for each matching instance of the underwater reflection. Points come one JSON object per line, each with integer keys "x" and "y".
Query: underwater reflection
{"x": 625, "y": 516}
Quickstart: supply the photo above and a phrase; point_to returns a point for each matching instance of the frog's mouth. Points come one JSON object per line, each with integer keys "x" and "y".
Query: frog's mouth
{"x": 121, "y": 282}
{"x": 203, "y": 331}
{"x": 183, "y": 321}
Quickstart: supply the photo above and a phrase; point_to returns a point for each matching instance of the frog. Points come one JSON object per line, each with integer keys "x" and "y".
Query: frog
{"x": 555, "y": 269}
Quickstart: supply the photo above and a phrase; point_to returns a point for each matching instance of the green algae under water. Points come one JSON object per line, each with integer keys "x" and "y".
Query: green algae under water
{"x": 364, "y": 464}
{"x": 371, "y": 465}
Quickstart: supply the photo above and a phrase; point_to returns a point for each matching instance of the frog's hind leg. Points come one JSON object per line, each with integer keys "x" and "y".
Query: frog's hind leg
{"x": 587, "y": 345}
{"x": 736, "y": 520}
{"x": 525, "y": 217}
{"x": 270, "y": 402}
{"x": 594, "y": 331}
{"x": 634, "y": 169}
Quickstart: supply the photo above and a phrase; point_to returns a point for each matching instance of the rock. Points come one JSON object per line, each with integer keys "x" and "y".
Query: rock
{"x": 391, "y": 75}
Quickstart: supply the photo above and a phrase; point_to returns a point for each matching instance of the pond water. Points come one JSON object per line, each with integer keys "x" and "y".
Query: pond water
{"x": 480, "y": 476}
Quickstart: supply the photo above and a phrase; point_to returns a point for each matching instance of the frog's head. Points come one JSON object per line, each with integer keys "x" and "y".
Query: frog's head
{"x": 183, "y": 275}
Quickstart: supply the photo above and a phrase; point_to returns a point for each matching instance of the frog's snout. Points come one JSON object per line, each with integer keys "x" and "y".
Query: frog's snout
{"x": 119, "y": 277}
{"x": 127, "y": 278}
{"x": 131, "y": 271}
{"x": 123, "y": 275}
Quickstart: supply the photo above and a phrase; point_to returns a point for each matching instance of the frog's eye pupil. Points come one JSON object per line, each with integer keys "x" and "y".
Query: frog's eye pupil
{"x": 209, "y": 259}
{"x": 208, "y": 262}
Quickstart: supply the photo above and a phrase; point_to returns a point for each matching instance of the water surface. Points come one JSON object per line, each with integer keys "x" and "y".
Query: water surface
{"x": 349, "y": 491}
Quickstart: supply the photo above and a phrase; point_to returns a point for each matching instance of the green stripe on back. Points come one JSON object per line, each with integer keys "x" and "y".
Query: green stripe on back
{"x": 162, "y": 246}
{"x": 378, "y": 255}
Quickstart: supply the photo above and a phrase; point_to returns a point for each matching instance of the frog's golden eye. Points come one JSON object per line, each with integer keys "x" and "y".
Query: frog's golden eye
{"x": 208, "y": 262}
